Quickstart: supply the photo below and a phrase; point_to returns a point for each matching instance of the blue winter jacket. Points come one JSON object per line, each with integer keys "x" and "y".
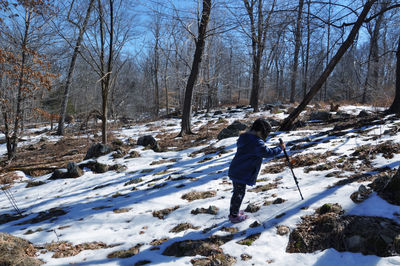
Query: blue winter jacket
{"x": 246, "y": 164}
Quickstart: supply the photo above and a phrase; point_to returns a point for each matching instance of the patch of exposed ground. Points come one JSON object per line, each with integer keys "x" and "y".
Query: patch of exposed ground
{"x": 329, "y": 228}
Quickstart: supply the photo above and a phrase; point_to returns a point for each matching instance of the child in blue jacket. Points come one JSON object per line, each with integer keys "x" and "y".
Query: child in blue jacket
{"x": 246, "y": 164}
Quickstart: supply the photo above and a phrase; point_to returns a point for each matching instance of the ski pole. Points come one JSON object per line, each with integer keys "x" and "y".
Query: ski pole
{"x": 291, "y": 169}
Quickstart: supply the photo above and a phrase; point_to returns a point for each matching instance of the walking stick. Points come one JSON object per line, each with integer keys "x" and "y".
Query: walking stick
{"x": 291, "y": 169}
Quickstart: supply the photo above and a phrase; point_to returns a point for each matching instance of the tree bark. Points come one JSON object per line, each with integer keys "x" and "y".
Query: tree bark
{"x": 12, "y": 142}
{"x": 287, "y": 123}
{"x": 305, "y": 78}
{"x": 198, "y": 53}
{"x": 296, "y": 52}
{"x": 371, "y": 79}
{"x": 106, "y": 68}
{"x": 156, "y": 70}
{"x": 395, "y": 107}
{"x": 64, "y": 104}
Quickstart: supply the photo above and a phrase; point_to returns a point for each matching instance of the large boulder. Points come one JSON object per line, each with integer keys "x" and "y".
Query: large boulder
{"x": 233, "y": 130}
{"x": 321, "y": 116}
{"x": 238, "y": 126}
{"x": 149, "y": 141}
{"x": 227, "y": 133}
{"x": 72, "y": 171}
{"x": 59, "y": 174}
{"x": 391, "y": 191}
{"x": 97, "y": 150}
{"x": 17, "y": 251}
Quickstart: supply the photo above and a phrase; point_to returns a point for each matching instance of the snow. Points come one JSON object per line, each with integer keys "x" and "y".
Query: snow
{"x": 78, "y": 198}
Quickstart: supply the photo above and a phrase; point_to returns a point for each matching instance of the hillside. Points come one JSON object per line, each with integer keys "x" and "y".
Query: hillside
{"x": 134, "y": 214}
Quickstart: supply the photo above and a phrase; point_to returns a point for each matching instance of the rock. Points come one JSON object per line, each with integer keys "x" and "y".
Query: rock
{"x": 227, "y": 133}
{"x": 213, "y": 210}
{"x": 118, "y": 168}
{"x": 134, "y": 154}
{"x": 363, "y": 113}
{"x": 203, "y": 247}
{"x": 273, "y": 122}
{"x": 255, "y": 224}
{"x": 354, "y": 243}
{"x": 321, "y": 116}
{"x": 362, "y": 194}
{"x": 17, "y": 251}
{"x": 218, "y": 112}
{"x": 73, "y": 170}
{"x": 95, "y": 166}
{"x": 59, "y": 174}
{"x": 97, "y": 150}
{"x": 219, "y": 259}
{"x": 245, "y": 257}
{"x": 252, "y": 208}
{"x": 391, "y": 191}
{"x": 282, "y": 230}
{"x": 269, "y": 107}
{"x": 119, "y": 153}
{"x": 278, "y": 201}
{"x": 149, "y": 141}
{"x": 237, "y": 126}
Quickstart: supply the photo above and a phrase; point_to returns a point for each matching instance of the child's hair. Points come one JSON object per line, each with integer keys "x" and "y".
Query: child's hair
{"x": 262, "y": 125}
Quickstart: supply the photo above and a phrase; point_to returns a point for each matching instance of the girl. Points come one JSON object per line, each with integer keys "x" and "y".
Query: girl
{"x": 246, "y": 164}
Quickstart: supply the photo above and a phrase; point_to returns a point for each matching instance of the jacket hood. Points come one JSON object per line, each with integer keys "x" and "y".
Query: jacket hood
{"x": 245, "y": 139}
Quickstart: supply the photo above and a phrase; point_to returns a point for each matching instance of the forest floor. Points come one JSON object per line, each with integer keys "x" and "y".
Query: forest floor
{"x": 171, "y": 207}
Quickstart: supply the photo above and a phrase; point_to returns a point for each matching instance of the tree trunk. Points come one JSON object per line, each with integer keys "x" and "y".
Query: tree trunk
{"x": 187, "y": 104}
{"x": 371, "y": 80}
{"x": 305, "y": 78}
{"x": 13, "y": 142}
{"x": 64, "y": 104}
{"x": 255, "y": 88}
{"x": 156, "y": 68}
{"x": 395, "y": 108}
{"x": 296, "y": 52}
{"x": 287, "y": 123}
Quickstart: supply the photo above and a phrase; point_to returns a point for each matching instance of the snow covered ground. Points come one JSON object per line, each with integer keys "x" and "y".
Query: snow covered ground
{"x": 91, "y": 214}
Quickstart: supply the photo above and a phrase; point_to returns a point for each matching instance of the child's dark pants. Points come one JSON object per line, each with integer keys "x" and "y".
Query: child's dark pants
{"x": 239, "y": 190}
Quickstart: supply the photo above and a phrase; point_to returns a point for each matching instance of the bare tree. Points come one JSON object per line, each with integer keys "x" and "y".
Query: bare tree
{"x": 25, "y": 69}
{"x": 287, "y": 123}
{"x": 371, "y": 78}
{"x": 258, "y": 33}
{"x": 395, "y": 107}
{"x": 198, "y": 53}
{"x": 82, "y": 30}
{"x": 297, "y": 35}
